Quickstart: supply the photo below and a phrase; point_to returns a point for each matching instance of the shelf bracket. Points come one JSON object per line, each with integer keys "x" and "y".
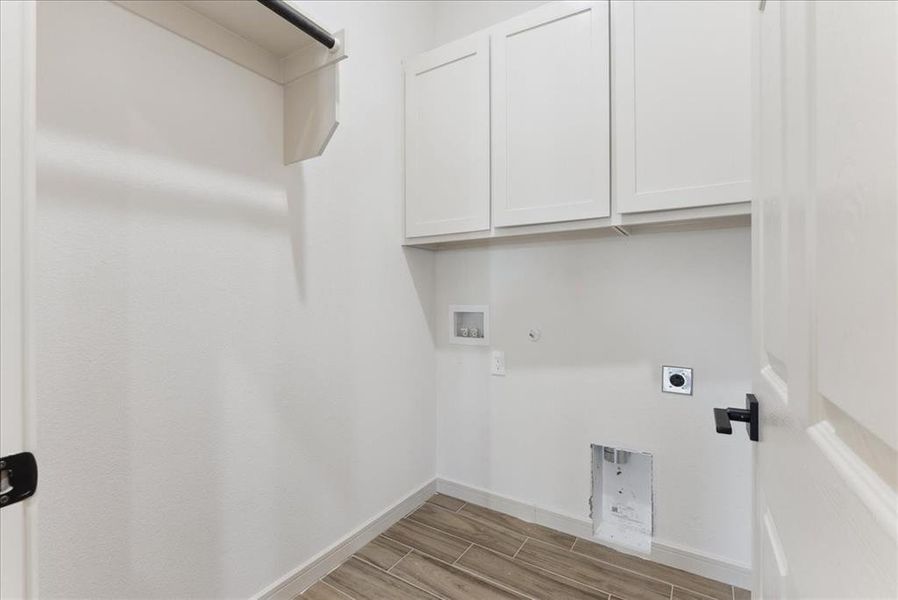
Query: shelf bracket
{"x": 309, "y": 75}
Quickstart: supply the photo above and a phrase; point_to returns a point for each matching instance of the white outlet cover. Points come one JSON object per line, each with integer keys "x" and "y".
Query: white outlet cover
{"x": 497, "y": 363}
{"x": 677, "y": 373}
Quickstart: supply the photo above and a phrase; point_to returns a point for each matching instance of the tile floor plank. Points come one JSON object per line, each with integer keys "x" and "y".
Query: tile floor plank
{"x": 677, "y": 577}
{"x": 741, "y": 594}
{"x": 523, "y": 527}
{"x": 478, "y": 531}
{"x": 446, "y": 581}
{"x": 447, "y": 502}
{"x": 365, "y": 582}
{"x": 681, "y": 594}
{"x": 383, "y": 552}
{"x": 523, "y": 577}
{"x": 322, "y": 591}
{"x": 428, "y": 540}
{"x": 593, "y": 573}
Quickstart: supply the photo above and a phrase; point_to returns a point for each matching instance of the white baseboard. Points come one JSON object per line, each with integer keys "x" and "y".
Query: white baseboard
{"x": 713, "y": 567}
{"x": 571, "y": 524}
{"x": 663, "y": 552}
{"x": 299, "y": 579}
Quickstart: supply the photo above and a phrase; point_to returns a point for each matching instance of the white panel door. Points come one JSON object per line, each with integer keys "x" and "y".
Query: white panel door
{"x": 551, "y": 119}
{"x": 682, "y": 115}
{"x": 825, "y": 284}
{"x": 447, "y": 139}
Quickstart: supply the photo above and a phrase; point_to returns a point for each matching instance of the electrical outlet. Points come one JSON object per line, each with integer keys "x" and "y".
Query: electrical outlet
{"x": 497, "y": 364}
{"x": 676, "y": 380}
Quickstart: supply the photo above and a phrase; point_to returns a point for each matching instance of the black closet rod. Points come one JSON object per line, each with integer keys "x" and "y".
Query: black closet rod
{"x": 288, "y": 13}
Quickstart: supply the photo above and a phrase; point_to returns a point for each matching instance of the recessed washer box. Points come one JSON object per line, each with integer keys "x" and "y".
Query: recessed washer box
{"x": 622, "y": 502}
{"x": 469, "y": 324}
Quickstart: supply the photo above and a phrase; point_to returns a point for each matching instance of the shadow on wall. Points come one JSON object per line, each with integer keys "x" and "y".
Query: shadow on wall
{"x": 296, "y": 207}
{"x": 421, "y": 268}
{"x": 195, "y": 306}
{"x": 121, "y": 354}
{"x": 94, "y": 171}
{"x": 169, "y": 334}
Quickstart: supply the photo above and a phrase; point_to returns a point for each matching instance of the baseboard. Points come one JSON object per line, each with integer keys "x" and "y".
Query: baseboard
{"x": 571, "y": 524}
{"x": 713, "y": 567}
{"x": 299, "y": 579}
{"x": 663, "y": 552}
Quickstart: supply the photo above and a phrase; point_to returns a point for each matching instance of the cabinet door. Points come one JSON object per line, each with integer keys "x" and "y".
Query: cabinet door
{"x": 551, "y": 115}
{"x": 447, "y": 139}
{"x": 682, "y": 86}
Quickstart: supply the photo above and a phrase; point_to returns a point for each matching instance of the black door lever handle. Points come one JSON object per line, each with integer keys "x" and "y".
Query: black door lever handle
{"x": 749, "y": 415}
{"x": 20, "y": 479}
{"x": 722, "y": 421}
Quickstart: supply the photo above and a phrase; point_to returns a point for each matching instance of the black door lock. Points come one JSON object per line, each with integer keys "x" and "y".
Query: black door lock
{"x": 19, "y": 478}
{"x": 749, "y": 415}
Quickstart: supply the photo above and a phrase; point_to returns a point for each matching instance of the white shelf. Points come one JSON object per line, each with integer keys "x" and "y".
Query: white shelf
{"x": 250, "y": 35}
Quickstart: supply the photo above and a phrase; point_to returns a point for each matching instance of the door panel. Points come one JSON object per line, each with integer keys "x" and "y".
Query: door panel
{"x": 447, "y": 132}
{"x": 681, "y": 104}
{"x": 550, "y": 76}
{"x": 855, "y": 238}
{"x": 774, "y": 567}
{"x": 825, "y": 276}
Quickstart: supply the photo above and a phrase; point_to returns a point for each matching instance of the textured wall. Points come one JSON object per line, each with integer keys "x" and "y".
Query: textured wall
{"x": 611, "y": 312}
{"x": 233, "y": 358}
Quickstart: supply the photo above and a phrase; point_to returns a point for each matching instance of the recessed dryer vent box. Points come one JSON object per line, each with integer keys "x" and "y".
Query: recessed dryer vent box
{"x": 469, "y": 324}
{"x": 621, "y": 506}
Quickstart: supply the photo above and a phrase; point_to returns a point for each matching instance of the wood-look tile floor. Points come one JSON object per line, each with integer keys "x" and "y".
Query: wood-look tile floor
{"x": 450, "y": 550}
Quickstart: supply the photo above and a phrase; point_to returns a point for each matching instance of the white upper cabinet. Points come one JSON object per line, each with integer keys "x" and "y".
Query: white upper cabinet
{"x": 682, "y": 89}
{"x": 447, "y": 139}
{"x": 551, "y": 121}
{"x": 581, "y": 115}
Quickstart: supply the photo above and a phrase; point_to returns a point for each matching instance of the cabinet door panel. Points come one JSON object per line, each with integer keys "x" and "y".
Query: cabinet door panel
{"x": 551, "y": 115}
{"x": 447, "y": 139}
{"x": 682, "y": 85}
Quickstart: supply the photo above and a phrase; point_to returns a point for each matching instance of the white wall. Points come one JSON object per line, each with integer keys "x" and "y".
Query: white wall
{"x": 611, "y": 311}
{"x": 457, "y": 18}
{"x": 233, "y": 359}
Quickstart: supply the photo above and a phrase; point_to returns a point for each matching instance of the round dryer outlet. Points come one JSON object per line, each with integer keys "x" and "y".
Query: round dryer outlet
{"x": 676, "y": 380}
